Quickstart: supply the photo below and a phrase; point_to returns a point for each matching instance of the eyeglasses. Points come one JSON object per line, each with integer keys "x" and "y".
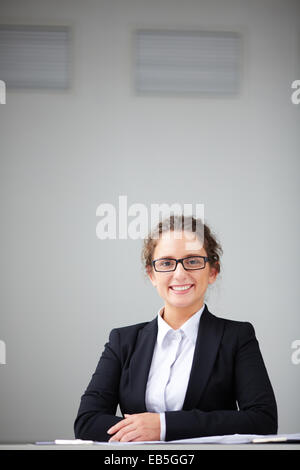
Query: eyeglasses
{"x": 190, "y": 263}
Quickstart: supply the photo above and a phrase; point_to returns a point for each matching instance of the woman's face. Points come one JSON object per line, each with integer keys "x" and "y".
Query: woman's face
{"x": 179, "y": 245}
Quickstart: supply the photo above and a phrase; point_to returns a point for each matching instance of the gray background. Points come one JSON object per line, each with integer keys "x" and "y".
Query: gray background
{"x": 64, "y": 153}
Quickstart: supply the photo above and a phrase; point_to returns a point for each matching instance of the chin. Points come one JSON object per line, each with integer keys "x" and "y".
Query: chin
{"x": 183, "y": 303}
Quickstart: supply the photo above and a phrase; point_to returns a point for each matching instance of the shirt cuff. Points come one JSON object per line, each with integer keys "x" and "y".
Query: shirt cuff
{"x": 162, "y": 426}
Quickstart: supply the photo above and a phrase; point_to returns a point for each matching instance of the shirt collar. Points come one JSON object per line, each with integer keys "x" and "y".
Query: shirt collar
{"x": 189, "y": 328}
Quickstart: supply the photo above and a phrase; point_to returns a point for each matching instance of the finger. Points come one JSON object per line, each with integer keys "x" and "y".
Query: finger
{"x": 117, "y": 426}
{"x": 130, "y": 436}
{"x": 118, "y": 436}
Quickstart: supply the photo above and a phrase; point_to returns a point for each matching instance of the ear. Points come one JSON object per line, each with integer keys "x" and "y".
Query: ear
{"x": 151, "y": 275}
{"x": 213, "y": 273}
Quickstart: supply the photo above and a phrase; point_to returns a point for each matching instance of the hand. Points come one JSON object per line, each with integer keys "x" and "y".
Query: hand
{"x": 137, "y": 427}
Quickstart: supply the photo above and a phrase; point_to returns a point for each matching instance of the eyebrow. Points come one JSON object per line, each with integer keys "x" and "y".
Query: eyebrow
{"x": 173, "y": 257}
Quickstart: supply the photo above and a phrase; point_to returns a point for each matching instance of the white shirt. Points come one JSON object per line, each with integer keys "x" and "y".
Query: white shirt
{"x": 171, "y": 367}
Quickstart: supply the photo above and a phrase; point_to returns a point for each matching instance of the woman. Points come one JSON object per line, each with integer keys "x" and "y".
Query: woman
{"x": 186, "y": 373}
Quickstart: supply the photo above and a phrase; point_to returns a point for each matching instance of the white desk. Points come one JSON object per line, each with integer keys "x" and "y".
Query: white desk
{"x": 156, "y": 447}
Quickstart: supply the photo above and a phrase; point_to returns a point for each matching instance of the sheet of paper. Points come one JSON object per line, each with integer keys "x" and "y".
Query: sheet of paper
{"x": 227, "y": 439}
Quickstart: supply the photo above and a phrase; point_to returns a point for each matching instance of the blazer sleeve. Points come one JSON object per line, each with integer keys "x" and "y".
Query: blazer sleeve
{"x": 99, "y": 403}
{"x": 257, "y": 413}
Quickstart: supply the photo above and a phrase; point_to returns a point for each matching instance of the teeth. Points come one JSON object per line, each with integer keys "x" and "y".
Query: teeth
{"x": 181, "y": 288}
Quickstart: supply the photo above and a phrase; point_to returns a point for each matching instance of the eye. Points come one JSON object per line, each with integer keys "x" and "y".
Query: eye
{"x": 194, "y": 261}
{"x": 165, "y": 263}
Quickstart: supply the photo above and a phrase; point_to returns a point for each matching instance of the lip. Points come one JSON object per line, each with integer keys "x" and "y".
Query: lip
{"x": 181, "y": 292}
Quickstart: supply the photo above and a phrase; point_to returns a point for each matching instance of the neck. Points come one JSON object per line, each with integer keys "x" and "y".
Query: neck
{"x": 177, "y": 316}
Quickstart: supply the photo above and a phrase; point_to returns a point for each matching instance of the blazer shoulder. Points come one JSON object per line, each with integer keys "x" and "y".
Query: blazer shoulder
{"x": 134, "y": 329}
{"x": 125, "y": 338}
{"x": 235, "y": 332}
{"x": 234, "y": 324}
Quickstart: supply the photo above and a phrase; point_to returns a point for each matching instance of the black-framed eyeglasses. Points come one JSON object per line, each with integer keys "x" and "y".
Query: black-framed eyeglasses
{"x": 190, "y": 263}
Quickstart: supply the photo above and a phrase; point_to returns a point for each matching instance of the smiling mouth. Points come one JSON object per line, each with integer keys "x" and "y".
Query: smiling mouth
{"x": 182, "y": 289}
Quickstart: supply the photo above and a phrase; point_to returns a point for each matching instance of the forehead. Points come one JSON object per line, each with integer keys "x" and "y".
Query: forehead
{"x": 178, "y": 242}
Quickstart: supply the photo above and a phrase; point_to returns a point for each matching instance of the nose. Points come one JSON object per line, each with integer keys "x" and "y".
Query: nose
{"x": 180, "y": 271}
{"x": 180, "y": 267}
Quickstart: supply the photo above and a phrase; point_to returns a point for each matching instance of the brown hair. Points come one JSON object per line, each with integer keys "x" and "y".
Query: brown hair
{"x": 189, "y": 224}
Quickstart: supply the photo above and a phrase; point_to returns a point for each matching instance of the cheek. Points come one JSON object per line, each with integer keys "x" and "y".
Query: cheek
{"x": 163, "y": 284}
{"x": 201, "y": 280}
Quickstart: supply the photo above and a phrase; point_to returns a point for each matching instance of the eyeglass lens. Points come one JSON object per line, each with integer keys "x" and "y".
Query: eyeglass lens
{"x": 167, "y": 264}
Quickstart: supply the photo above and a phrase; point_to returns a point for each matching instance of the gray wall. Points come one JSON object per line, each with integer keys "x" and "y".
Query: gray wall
{"x": 62, "y": 154}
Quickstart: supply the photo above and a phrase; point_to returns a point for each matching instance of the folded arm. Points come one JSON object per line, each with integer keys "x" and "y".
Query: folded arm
{"x": 99, "y": 403}
{"x": 257, "y": 412}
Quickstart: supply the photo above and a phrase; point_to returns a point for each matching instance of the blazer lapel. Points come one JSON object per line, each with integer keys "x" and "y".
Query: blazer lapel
{"x": 140, "y": 364}
{"x": 207, "y": 344}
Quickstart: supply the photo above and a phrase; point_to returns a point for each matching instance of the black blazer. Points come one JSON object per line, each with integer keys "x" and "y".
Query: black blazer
{"x": 228, "y": 392}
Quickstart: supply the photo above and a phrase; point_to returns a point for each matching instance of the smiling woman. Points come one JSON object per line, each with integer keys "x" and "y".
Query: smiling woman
{"x": 186, "y": 373}
{"x": 181, "y": 258}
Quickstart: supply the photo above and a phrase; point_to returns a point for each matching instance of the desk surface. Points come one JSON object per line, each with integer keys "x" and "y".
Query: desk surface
{"x": 157, "y": 447}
